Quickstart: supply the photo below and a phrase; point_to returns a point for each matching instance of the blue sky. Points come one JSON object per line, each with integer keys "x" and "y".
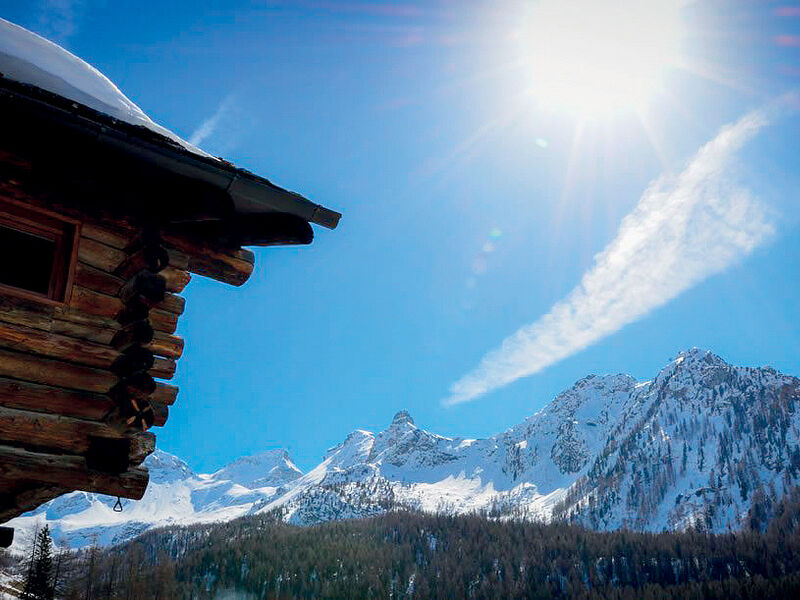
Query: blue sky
{"x": 470, "y": 208}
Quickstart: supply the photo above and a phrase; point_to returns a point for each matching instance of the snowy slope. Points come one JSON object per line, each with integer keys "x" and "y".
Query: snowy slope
{"x": 273, "y": 468}
{"x": 175, "y": 495}
{"x": 694, "y": 446}
{"x": 526, "y": 468}
{"x": 28, "y": 58}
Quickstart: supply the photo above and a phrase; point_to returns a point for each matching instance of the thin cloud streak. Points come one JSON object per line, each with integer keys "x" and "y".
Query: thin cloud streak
{"x": 59, "y": 19}
{"x": 684, "y": 229}
{"x": 210, "y": 125}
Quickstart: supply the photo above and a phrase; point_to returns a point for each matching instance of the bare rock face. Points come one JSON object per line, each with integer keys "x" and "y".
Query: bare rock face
{"x": 402, "y": 418}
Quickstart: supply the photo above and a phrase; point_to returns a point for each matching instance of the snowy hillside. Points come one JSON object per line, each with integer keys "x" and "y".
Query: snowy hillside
{"x": 175, "y": 496}
{"x": 695, "y": 445}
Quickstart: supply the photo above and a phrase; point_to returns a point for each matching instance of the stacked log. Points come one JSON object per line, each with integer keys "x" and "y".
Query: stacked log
{"x": 20, "y": 496}
{"x": 77, "y": 381}
{"x": 80, "y": 380}
{"x": 146, "y": 308}
{"x": 70, "y": 472}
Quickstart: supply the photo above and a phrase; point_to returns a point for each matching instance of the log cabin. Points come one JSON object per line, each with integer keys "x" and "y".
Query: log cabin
{"x": 104, "y": 218}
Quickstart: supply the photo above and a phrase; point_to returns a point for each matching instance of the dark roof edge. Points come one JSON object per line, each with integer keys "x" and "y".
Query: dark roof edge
{"x": 251, "y": 194}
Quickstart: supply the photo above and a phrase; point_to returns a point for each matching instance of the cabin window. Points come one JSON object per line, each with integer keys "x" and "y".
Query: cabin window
{"x": 36, "y": 250}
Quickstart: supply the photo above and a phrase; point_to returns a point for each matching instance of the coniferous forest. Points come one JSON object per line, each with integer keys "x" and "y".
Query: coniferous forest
{"x": 411, "y": 555}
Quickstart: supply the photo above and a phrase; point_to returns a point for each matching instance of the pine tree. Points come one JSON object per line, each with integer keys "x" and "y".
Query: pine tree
{"x": 684, "y": 458}
{"x": 39, "y": 581}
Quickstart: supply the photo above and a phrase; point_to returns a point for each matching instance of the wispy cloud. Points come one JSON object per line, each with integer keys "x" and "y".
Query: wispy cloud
{"x": 59, "y": 19}
{"x": 684, "y": 229}
{"x": 208, "y": 127}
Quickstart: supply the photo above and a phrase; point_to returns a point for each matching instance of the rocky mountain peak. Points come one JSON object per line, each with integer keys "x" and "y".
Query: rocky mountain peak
{"x": 270, "y": 468}
{"x": 166, "y": 468}
{"x": 604, "y": 383}
{"x": 402, "y": 418}
{"x": 695, "y": 358}
{"x": 592, "y": 394}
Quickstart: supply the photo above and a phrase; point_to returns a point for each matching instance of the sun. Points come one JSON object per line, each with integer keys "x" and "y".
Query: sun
{"x": 595, "y": 57}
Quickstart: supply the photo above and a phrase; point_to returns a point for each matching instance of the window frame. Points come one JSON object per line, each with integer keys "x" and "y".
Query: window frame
{"x": 63, "y": 231}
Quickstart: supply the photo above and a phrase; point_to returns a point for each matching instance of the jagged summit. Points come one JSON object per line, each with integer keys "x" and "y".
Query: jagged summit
{"x": 590, "y": 396}
{"x": 402, "y": 418}
{"x": 598, "y": 384}
{"x": 270, "y": 468}
{"x": 166, "y": 468}
{"x": 694, "y": 363}
{"x": 699, "y": 356}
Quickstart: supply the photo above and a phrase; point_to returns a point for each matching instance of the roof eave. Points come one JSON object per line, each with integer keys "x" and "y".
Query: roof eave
{"x": 250, "y": 193}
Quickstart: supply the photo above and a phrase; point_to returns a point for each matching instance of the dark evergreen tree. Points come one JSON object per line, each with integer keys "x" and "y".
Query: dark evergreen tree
{"x": 424, "y": 556}
{"x": 39, "y": 580}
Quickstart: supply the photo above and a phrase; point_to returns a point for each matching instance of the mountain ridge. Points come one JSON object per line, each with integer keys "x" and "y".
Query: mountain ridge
{"x": 694, "y": 446}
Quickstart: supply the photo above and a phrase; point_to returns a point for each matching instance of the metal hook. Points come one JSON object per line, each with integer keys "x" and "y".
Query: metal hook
{"x": 118, "y": 505}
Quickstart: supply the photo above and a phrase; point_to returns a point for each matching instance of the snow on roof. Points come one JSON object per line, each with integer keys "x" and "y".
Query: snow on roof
{"x": 31, "y": 59}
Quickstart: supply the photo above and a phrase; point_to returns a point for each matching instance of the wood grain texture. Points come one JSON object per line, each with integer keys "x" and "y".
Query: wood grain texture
{"x": 99, "y": 255}
{"x": 166, "y": 345}
{"x": 172, "y": 303}
{"x": 163, "y": 368}
{"x": 53, "y": 345}
{"x": 163, "y": 321}
{"x": 25, "y": 496}
{"x": 36, "y": 397}
{"x": 56, "y": 320}
{"x": 70, "y": 473}
{"x": 161, "y": 413}
{"x": 232, "y": 266}
{"x": 115, "y": 236}
{"x": 165, "y": 393}
{"x": 95, "y": 303}
{"x": 58, "y": 373}
{"x": 142, "y": 446}
{"x": 97, "y": 280}
{"x": 177, "y": 279}
{"x": 36, "y": 430}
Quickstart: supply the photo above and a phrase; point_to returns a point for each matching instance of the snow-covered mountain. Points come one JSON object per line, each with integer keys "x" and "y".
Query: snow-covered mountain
{"x": 175, "y": 495}
{"x": 693, "y": 446}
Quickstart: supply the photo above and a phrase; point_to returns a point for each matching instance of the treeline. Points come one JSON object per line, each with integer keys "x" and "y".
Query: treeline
{"x": 410, "y": 555}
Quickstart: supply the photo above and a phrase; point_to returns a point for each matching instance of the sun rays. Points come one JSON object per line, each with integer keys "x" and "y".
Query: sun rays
{"x": 596, "y": 58}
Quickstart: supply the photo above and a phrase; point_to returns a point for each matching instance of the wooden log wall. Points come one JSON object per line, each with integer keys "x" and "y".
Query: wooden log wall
{"x": 82, "y": 382}
{"x": 73, "y": 374}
